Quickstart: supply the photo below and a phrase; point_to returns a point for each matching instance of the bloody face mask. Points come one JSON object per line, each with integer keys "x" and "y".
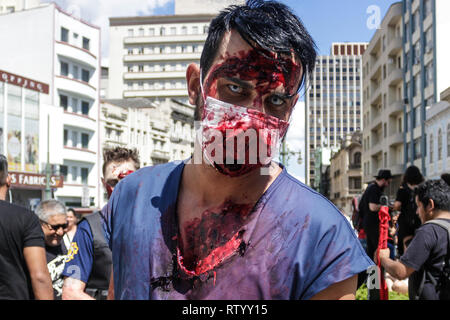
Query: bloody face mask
{"x": 237, "y": 140}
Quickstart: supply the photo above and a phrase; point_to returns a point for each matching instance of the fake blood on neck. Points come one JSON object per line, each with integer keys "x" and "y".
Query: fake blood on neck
{"x": 212, "y": 238}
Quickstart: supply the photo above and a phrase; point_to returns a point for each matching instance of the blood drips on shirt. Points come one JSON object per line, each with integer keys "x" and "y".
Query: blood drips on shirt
{"x": 211, "y": 239}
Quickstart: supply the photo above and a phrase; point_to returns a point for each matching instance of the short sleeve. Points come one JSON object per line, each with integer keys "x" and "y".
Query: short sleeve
{"x": 33, "y": 234}
{"x": 374, "y": 195}
{"x": 420, "y": 248}
{"x": 337, "y": 256}
{"x": 79, "y": 259}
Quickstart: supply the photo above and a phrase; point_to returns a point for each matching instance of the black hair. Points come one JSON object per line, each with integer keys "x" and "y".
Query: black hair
{"x": 269, "y": 25}
{"x": 446, "y": 177}
{"x": 3, "y": 169}
{"x": 413, "y": 176}
{"x": 438, "y": 191}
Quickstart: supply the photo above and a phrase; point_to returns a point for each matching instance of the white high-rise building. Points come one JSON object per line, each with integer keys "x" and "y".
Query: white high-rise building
{"x": 149, "y": 55}
{"x": 333, "y": 102}
{"x": 10, "y": 6}
{"x": 49, "y": 45}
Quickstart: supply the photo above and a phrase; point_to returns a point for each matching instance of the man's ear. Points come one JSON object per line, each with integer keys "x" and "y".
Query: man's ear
{"x": 430, "y": 206}
{"x": 193, "y": 82}
{"x": 8, "y": 181}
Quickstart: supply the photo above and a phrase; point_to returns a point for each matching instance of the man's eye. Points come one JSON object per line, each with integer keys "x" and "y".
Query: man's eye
{"x": 276, "y": 100}
{"x": 235, "y": 88}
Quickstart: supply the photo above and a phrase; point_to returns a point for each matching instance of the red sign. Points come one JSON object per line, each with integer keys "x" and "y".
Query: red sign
{"x": 24, "y": 82}
{"x": 23, "y": 180}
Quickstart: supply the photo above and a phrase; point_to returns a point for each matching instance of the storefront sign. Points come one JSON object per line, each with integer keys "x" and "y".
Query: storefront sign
{"x": 24, "y": 82}
{"x": 22, "y": 180}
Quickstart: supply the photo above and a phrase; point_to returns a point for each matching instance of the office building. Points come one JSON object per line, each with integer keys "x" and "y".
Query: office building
{"x": 425, "y": 52}
{"x": 333, "y": 102}
{"x": 383, "y": 119}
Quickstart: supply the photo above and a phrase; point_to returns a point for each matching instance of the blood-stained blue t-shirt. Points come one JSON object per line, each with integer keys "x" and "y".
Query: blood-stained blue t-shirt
{"x": 296, "y": 243}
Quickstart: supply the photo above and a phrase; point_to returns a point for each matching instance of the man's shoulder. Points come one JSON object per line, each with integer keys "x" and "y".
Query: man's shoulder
{"x": 15, "y": 213}
{"x": 301, "y": 200}
{"x": 152, "y": 175}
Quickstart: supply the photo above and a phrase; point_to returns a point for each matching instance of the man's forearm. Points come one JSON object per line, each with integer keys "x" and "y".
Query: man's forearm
{"x": 42, "y": 286}
{"x": 394, "y": 268}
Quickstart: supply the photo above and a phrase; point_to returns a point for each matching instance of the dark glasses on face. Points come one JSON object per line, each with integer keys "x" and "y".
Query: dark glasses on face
{"x": 55, "y": 227}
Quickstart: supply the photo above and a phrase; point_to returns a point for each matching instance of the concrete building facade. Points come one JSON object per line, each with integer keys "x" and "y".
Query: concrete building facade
{"x": 11, "y": 6}
{"x": 65, "y": 53}
{"x": 438, "y": 137}
{"x": 383, "y": 119}
{"x": 149, "y": 55}
{"x": 333, "y": 102}
{"x": 346, "y": 172}
{"x": 425, "y": 52}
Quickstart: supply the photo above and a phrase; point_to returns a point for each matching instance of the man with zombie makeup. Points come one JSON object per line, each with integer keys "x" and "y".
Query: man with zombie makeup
{"x": 88, "y": 265}
{"x": 230, "y": 223}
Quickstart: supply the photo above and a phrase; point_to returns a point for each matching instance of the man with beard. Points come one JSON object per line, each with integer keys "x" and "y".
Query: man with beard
{"x": 230, "y": 223}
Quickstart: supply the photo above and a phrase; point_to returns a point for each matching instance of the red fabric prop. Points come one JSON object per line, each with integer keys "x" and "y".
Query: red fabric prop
{"x": 384, "y": 218}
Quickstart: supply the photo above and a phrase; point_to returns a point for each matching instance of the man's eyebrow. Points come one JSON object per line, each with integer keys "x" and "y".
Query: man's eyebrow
{"x": 240, "y": 82}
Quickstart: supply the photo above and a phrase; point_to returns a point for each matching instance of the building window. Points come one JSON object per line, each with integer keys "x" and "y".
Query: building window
{"x": 162, "y": 31}
{"x": 64, "y": 69}
{"x": 84, "y": 175}
{"x": 63, "y": 101}
{"x": 439, "y": 140}
{"x": 85, "y": 75}
{"x": 64, "y": 35}
{"x": 66, "y": 138}
{"x": 75, "y": 72}
{"x": 85, "y": 108}
{"x": 63, "y": 172}
{"x": 74, "y": 139}
{"x": 130, "y": 32}
{"x": 86, "y": 43}
{"x": 431, "y": 148}
{"x": 74, "y": 171}
{"x": 183, "y": 30}
{"x": 85, "y": 141}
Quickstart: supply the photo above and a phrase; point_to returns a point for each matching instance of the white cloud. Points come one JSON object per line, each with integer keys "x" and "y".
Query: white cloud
{"x": 98, "y": 12}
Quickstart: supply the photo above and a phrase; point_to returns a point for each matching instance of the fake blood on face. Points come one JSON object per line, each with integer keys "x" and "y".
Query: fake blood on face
{"x": 265, "y": 67}
{"x": 211, "y": 239}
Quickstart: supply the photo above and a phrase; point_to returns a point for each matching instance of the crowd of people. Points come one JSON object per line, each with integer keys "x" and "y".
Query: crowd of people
{"x": 234, "y": 225}
{"x": 416, "y": 260}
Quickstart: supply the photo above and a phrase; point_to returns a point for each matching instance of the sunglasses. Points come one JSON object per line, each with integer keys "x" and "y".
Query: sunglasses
{"x": 55, "y": 227}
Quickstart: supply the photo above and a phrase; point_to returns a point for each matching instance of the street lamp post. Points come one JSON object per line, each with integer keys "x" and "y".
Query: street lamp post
{"x": 286, "y": 154}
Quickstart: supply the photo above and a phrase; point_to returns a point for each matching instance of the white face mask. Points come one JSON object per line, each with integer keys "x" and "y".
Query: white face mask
{"x": 237, "y": 140}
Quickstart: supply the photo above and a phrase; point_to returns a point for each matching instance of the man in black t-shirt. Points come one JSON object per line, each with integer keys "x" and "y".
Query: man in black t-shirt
{"x": 23, "y": 268}
{"x": 369, "y": 208}
{"x": 424, "y": 258}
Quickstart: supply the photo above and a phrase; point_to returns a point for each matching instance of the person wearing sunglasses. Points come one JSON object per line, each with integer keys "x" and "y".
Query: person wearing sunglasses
{"x": 89, "y": 262}
{"x": 53, "y": 217}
